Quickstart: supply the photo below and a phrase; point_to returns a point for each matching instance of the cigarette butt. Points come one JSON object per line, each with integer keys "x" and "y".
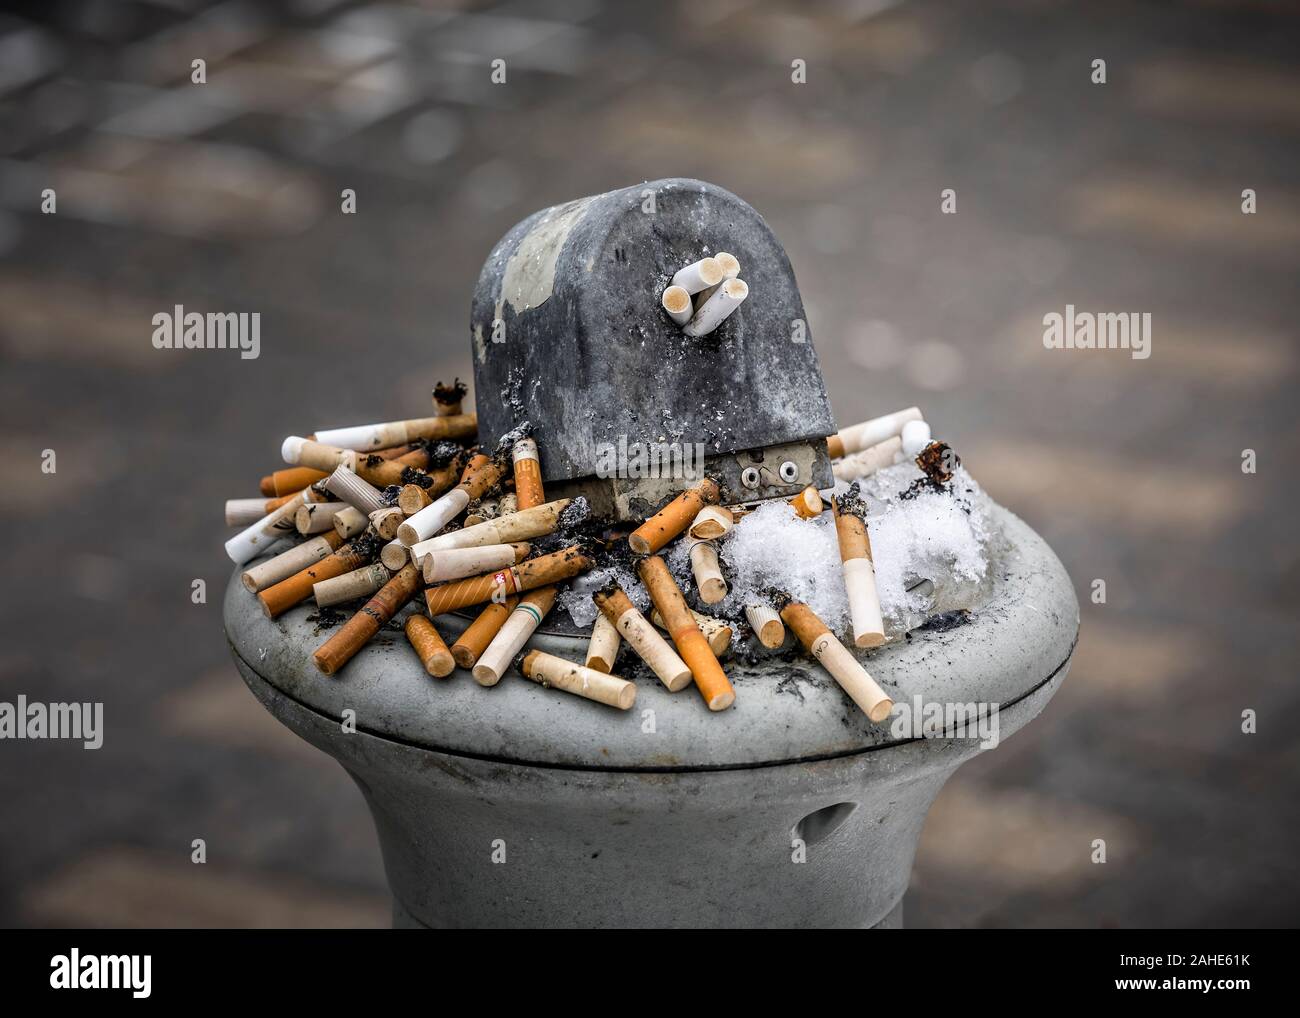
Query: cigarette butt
{"x": 698, "y": 275}
{"x": 306, "y": 452}
{"x": 429, "y": 647}
{"x": 712, "y": 522}
{"x": 538, "y": 572}
{"x": 915, "y": 436}
{"x": 356, "y": 632}
{"x": 349, "y": 522}
{"x": 615, "y": 606}
{"x": 677, "y": 302}
{"x": 280, "y": 597}
{"x": 369, "y": 437}
{"x": 381, "y": 472}
{"x": 694, "y": 649}
{"x": 412, "y": 498}
{"x": 249, "y": 542}
{"x": 479, "y": 633}
{"x": 808, "y": 503}
{"x": 317, "y": 517}
{"x": 286, "y": 482}
{"x": 514, "y": 633}
{"x": 521, "y": 526}
{"x": 386, "y": 521}
{"x": 240, "y": 512}
{"x": 708, "y": 573}
{"x": 549, "y": 670}
{"x": 394, "y": 555}
{"x": 457, "y": 563}
{"x": 717, "y": 632}
{"x": 347, "y": 487}
{"x": 859, "y": 578}
{"x": 767, "y": 624}
{"x": 359, "y": 583}
{"x": 528, "y": 474}
{"x": 868, "y": 461}
{"x": 267, "y": 486}
{"x": 672, "y": 519}
{"x": 602, "y": 648}
{"x": 284, "y": 565}
{"x": 394, "y": 452}
{"x": 718, "y": 308}
{"x": 508, "y": 504}
{"x": 480, "y": 512}
{"x": 843, "y": 667}
{"x": 730, "y": 270}
{"x": 433, "y": 517}
{"x": 447, "y": 398}
{"x": 861, "y": 436}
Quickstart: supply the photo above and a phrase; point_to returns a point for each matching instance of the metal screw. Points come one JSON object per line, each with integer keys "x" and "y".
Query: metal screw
{"x": 749, "y": 477}
{"x": 789, "y": 472}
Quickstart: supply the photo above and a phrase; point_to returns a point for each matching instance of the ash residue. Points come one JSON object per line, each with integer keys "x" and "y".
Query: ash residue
{"x": 368, "y": 544}
{"x": 327, "y": 618}
{"x": 389, "y": 495}
{"x": 945, "y": 621}
{"x": 508, "y": 440}
{"x": 937, "y": 461}
{"x": 443, "y": 453}
{"x": 575, "y": 514}
{"x": 851, "y": 503}
{"x": 411, "y": 475}
{"x": 449, "y": 395}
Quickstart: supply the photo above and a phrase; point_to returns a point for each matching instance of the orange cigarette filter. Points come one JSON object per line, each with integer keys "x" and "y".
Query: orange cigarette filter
{"x": 356, "y": 632}
{"x": 528, "y": 474}
{"x": 852, "y": 534}
{"x": 673, "y": 518}
{"x": 710, "y": 679}
{"x": 474, "y": 640}
{"x": 290, "y": 481}
{"x": 280, "y": 597}
{"x": 539, "y": 572}
{"x": 835, "y": 447}
{"x": 381, "y": 472}
{"x": 429, "y": 647}
{"x": 808, "y": 503}
{"x": 481, "y": 476}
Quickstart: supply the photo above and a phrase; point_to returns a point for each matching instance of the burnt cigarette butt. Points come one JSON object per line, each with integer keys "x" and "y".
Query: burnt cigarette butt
{"x": 280, "y": 597}
{"x": 868, "y": 461}
{"x": 359, "y": 583}
{"x": 447, "y": 399}
{"x": 479, "y": 633}
{"x": 616, "y": 607}
{"x": 394, "y": 555}
{"x": 708, "y": 572}
{"x": 412, "y": 498}
{"x": 347, "y": 487}
{"x": 557, "y": 673}
{"x": 306, "y": 452}
{"x": 508, "y": 504}
{"x": 673, "y": 518}
{"x": 433, "y": 517}
{"x": 528, "y": 474}
{"x": 317, "y": 517}
{"x": 480, "y": 512}
{"x": 711, "y": 522}
{"x": 381, "y": 472}
{"x": 843, "y": 667}
{"x": 457, "y": 563}
{"x": 386, "y": 521}
{"x": 349, "y": 522}
{"x": 699, "y": 275}
{"x": 694, "y": 649}
{"x": 859, "y": 577}
{"x": 429, "y": 647}
{"x": 368, "y": 437}
{"x": 356, "y": 632}
{"x": 520, "y": 526}
{"x": 510, "y": 640}
{"x": 240, "y": 512}
{"x": 717, "y": 632}
{"x": 538, "y": 572}
{"x": 861, "y": 436}
{"x": 286, "y": 482}
{"x": 602, "y": 648}
{"x": 767, "y": 624}
{"x": 284, "y": 565}
{"x": 718, "y": 308}
{"x": 677, "y": 302}
{"x": 808, "y": 503}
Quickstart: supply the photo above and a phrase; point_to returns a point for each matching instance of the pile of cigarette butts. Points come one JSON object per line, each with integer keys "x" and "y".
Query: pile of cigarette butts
{"x": 386, "y": 512}
{"x": 703, "y": 295}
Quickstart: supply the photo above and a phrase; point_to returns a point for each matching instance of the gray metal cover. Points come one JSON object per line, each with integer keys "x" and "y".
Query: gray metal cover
{"x": 587, "y": 354}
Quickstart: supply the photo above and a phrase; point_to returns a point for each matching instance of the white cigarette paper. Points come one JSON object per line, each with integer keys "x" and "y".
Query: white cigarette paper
{"x": 852, "y": 677}
{"x": 433, "y": 517}
{"x": 916, "y": 436}
{"x": 708, "y": 573}
{"x": 240, "y": 512}
{"x": 711, "y": 522}
{"x": 677, "y": 302}
{"x": 508, "y": 642}
{"x": 878, "y": 429}
{"x": 455, "y": 563}
{"x": 523, "y": 525}
{"x": 270, "y": 528}
{"x": 864, "y": 602}
{"x": 767, "y": 623}
{"x": 549, "y": 670}
{"x": 359, "y": 583}
{"x": 698, "y": 275}
{"x": 317, "y": 517}
{"x": 349, "y": 522}
{"x": 284, "y": 565}
{"x": 730, "y": 270}
{"x": 868, "y": 461}
{"x": 729, "y": 296}
{"x": 347, "y": 487}
{"x": 654, "y": 650}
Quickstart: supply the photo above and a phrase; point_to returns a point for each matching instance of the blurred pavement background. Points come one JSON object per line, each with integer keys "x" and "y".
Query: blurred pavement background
{"x": 225, "y": 196}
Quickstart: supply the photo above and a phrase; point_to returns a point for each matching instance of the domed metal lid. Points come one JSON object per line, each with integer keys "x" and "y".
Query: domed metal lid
{"x": 785, "y": 710}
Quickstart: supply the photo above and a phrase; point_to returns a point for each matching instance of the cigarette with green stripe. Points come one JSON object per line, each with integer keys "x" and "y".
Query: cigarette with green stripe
{"x": 521, "y": 624}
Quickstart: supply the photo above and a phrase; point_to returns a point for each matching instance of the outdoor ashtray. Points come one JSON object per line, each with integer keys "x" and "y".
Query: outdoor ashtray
{"x": 519, "y": 805}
